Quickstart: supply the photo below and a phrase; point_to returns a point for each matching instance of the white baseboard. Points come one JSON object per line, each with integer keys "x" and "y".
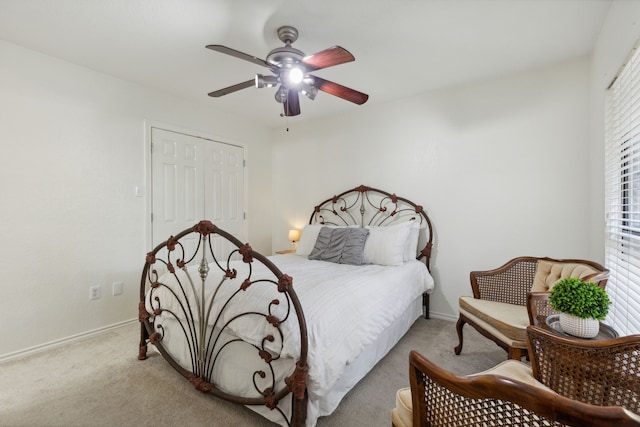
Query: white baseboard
{"x": 63, "y": 341}
{"x": 443, "y": 316}
{"x": 84, "y": 335}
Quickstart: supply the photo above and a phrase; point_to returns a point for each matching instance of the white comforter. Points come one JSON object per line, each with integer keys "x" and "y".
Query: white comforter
{"x": 346, "y": 307}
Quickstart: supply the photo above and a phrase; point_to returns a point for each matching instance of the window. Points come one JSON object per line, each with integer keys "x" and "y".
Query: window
{"x": 622, "y": 196}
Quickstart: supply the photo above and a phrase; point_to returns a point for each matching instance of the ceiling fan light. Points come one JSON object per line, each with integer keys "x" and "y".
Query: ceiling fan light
{"x": 265, "y": 81}
{"x": 309, "y": 91}
{"x": 293, "y": 76}
{"x": 281, "y": 94}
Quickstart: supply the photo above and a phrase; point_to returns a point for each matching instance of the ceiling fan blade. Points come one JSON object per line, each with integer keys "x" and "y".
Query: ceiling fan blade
{"x": 340, "y": 91}
{"x": 231, "y": 89}
{"x": 239, "y": 55}
{"x": 327, "y": 58}
{"x": 292, "y": 104}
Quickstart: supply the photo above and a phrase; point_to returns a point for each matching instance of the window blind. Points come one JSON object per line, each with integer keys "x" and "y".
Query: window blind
{"x": 622, "y": 196}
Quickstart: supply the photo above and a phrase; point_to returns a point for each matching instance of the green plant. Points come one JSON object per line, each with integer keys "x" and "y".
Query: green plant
{"x": 581, "y": 299}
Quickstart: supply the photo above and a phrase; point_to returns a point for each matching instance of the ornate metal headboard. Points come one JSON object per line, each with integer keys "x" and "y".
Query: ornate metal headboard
{"x": 366, "y": 206}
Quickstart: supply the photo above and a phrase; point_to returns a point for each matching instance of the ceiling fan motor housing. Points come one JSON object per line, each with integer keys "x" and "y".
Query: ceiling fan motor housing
{"x": 286, "y": 55}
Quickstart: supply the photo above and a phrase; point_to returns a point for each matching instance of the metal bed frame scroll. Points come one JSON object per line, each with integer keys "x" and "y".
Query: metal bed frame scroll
{"x": 366, "y": 206}
{"x": 207, "y": 345}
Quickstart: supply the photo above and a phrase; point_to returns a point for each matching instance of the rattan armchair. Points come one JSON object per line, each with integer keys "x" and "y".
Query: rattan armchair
{"x": 506, "y": 395}
{"x": 539, "y": 307}
{"x": 603, "y": 373}
{"x": 498, "y": 308}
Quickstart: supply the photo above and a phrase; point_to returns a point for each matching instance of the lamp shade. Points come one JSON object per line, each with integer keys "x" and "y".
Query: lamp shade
{"x": 294, "y": 235}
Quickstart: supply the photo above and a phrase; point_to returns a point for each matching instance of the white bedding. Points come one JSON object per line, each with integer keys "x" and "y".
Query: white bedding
{"x": 346, "y": 308}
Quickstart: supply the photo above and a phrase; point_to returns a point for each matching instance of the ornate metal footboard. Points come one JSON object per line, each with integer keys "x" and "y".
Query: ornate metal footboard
{"x": 365, "y": 206}
{"x": 200, "y": 299}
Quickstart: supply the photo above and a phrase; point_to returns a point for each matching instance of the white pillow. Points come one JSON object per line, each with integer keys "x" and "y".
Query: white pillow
{"x": 387, "y": 245}
{"x": 308, "y": 239}
{"x": 411, "y": 250}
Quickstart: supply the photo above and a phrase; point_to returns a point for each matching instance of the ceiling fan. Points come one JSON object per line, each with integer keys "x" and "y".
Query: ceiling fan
{"x": 291, "y": 70}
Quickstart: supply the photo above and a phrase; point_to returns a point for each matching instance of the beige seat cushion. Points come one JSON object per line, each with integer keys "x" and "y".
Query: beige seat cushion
{"x": 516, "y": 370}
{"x": 402, "y": 414}
{"x": 549, "y": 273}
{"x": 507, "y": 322}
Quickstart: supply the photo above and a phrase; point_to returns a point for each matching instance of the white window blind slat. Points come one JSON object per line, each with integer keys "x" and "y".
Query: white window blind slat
{"x": 622, "y": 197}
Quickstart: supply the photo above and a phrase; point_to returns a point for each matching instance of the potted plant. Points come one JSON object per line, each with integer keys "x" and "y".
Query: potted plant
{"x": 581, "y": 306}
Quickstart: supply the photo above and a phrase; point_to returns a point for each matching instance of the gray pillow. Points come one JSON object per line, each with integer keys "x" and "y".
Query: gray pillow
{"x": 343, "y": 245}
{"x": 329, "y": 244}
{"x": 353, "y": 250}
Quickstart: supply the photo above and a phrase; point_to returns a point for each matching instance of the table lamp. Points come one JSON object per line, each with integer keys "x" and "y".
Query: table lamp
{"x": 294, "y": 236}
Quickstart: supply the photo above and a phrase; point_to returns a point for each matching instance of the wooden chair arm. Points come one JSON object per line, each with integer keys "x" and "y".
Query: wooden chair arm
{"x": 437, "y": 393}
{"x": 599, "y": 278}
{"x": 539, "y": 307}
{"x": 508, "y": 283}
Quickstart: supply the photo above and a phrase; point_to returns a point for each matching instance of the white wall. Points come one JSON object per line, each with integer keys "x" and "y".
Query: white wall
{"x": 504, "y": 168}
{"x": 501, "y": 167}
{"x": 73, "y": 150}
{"x": 620, "y": 32}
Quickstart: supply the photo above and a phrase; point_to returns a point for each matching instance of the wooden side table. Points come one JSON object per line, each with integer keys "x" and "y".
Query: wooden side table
{"x": 286, "y": 251}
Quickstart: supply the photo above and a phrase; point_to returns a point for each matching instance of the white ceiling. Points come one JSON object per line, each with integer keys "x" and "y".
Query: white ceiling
{"x": 402, "y": 47}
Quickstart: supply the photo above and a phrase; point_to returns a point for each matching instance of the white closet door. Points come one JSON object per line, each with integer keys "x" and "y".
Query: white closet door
{"x": 224, "y": 191}
{"x": 193, "y": 179}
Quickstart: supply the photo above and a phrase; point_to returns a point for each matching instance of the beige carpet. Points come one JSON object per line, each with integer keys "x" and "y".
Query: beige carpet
{"x": 99, "y": 382}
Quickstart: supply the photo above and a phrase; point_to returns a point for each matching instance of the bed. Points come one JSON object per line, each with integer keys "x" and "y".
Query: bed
{"x": 289, "y": 335}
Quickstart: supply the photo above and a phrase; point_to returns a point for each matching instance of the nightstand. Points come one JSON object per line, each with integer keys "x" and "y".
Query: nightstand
{"x": 286, "y": 251}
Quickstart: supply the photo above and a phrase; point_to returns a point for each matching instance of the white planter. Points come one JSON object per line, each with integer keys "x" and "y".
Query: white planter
{"x": 578, "y": 327}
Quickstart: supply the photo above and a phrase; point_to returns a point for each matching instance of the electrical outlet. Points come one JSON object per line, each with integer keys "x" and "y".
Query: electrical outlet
{"x": 116, "y": 288}
{"x": 94, "y": 292}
